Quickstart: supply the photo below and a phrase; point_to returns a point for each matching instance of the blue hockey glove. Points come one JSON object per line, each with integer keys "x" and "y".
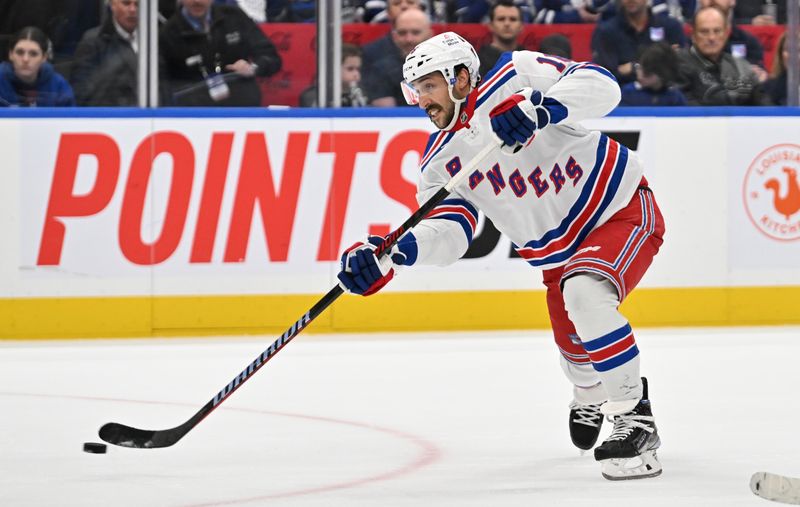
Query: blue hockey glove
{"x": 517, "y": 118}
{"x": 362, "y": 273}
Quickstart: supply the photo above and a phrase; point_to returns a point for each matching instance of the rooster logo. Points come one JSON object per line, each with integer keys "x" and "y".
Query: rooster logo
{"x": 772, "y": 192}
{"x": 789, "y": 204}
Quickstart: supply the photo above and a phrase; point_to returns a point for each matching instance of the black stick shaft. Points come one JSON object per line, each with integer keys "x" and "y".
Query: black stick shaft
{"x": 127, "y": 436}
{"x": 315, "y": 310}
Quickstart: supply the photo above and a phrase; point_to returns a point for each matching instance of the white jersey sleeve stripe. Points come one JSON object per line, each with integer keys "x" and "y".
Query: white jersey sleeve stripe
{"x": 459, "y": 211}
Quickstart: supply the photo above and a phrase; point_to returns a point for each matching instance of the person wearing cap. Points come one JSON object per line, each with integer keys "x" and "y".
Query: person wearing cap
{"x": 574, "y": 202}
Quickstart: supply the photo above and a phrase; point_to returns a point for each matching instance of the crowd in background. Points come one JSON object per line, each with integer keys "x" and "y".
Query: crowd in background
{"x": 213, "y": 52}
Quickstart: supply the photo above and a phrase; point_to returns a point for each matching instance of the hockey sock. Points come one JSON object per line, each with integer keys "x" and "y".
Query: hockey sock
{"x": 591, "y": 302}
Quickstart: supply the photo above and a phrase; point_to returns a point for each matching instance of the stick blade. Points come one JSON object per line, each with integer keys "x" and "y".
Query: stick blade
{"x": 775, "y": 487}
{"x": 126, "y": 436}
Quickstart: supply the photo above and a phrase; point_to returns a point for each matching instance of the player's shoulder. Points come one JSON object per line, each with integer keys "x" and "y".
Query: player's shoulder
{"x": 534, "y": 62}
{"x": 503, "y": 72}
{"x": 440, "y": 144}
{"x": 508, "y": 62}
{"x": 505, "y": 60}
{"x": 525, "y": 65}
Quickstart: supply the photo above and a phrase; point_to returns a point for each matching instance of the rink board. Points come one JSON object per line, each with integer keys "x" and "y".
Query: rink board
{"x": 137, "y": 223}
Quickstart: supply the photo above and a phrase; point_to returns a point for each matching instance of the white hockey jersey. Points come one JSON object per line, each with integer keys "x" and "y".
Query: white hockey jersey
{"x": 551, "y": 194}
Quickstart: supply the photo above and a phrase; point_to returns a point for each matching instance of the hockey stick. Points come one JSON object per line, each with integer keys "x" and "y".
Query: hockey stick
{"x": 127, "y": 436}
{"x": 778, "y": 488}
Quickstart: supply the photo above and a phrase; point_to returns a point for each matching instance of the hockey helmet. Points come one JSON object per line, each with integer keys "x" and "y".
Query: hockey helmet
{"x": 442, "y": 53}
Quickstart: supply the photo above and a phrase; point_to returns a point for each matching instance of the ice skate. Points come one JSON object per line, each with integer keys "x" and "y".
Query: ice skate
{"x": 585, "y": 422}
{"x": 630, "y": 450}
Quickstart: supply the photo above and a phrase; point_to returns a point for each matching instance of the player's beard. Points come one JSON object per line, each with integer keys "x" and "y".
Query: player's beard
{"x": 441, "y": 115}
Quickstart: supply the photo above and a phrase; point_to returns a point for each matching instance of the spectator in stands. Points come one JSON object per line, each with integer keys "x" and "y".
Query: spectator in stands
{"x": 276, "y": 11}
{"x": 255, "y": 9}
{"x": 740, "y": 43}
{"x": 570, "y": 11}
{"x": 62, "y": 21}
{"x": 556, "y": 44}
{"x": 681, "y": 10}
{"x": 656, "y": 73}
{"x": 27, "y": 79}
{"x": 476, "y": 11}
{"x": 212, "y": 55}
{"x": 297, "y": 11}
{"x": 708, "y": 75}
{"x": 374, "y": 50}
{"x": 775, "y": 87}
{"x": 352, "y": 96}
{"x": 104, "y": 72}
{"x": 617, "y": 42}
{"x": 505, "y": 25}
{"x": 385, "y": 11}
{"x": 383, "y": 74}
{"x": 166, "y": 8}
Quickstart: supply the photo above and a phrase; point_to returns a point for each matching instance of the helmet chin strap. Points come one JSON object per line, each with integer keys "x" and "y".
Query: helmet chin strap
{"x": 456, "y": 111}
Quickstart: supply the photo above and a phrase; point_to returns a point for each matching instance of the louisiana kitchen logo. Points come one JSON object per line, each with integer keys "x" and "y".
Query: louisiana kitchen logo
{"x": 771, "y": 192}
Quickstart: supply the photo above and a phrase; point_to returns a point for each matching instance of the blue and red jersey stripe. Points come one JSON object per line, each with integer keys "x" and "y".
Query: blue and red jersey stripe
{"x": 560, "y": 243}
{"x": 458, "y": 211}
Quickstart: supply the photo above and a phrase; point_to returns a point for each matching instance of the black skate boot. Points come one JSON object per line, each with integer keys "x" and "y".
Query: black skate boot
{"x": 630, "y": 450}
{"x": 585, "y": 422}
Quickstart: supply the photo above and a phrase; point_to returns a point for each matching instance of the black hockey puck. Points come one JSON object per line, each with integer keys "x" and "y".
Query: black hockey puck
{"x": 94, "y": 447}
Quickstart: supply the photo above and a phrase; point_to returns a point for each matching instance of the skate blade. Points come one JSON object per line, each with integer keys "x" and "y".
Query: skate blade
{"x": 644, "y": 466}
{"x": 776, "y": 487}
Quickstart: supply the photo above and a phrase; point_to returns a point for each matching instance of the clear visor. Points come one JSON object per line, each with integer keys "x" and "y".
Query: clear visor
{"x": 409, "y": 93}
{"x": 422, "y": 87}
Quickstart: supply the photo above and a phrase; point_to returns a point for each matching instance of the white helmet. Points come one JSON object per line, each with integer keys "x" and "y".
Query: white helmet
{"x": 441, "y": 53}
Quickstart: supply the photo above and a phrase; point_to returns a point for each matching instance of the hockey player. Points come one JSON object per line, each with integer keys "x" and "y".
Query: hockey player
{"x": 574, "y": 202}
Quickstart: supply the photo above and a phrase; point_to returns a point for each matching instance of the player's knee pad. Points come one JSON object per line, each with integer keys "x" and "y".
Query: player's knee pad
{"x": 590, "y": 300}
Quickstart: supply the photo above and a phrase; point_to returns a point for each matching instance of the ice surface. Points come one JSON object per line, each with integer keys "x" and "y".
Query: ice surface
{"x": 461, "y": 419}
